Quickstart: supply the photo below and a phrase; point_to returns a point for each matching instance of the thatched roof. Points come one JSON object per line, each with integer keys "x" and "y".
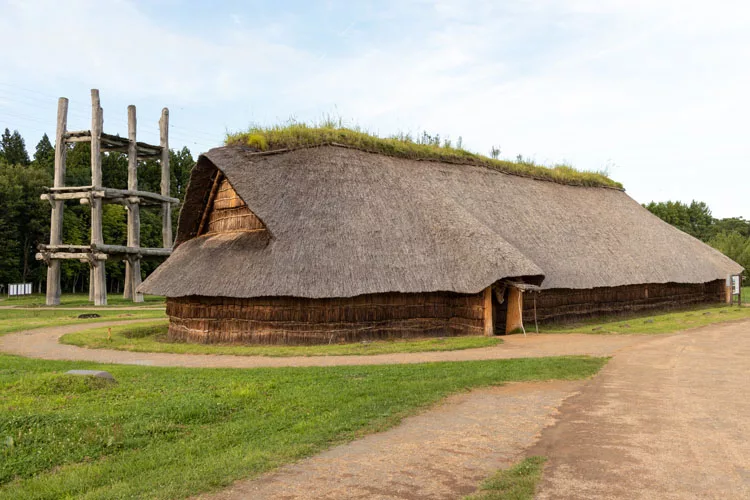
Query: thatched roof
{"x": 343, "y": 222}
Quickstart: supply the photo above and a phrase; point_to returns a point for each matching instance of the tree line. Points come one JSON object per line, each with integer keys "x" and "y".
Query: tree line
{"x": 25, "y": 218}
{"x": 731, "y": 236}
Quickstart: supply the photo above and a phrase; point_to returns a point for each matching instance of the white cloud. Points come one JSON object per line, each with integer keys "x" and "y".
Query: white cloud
{"x": 657, "y": 87}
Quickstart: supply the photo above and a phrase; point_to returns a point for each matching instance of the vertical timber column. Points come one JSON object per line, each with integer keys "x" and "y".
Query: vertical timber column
{"x": 97, "y": 236}
{"x": 489, "y": 323}
{"x": 133, "y": 263}
{"x": 166, "y": 208}
{"x": 515, "y": 310}
{"x": 56, "y": 224}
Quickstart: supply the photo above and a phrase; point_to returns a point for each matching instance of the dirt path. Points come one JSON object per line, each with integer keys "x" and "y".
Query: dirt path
{"x": 43, "y": 343}
{"x": 666, "y": 419}
{"x": 443, "y": 453}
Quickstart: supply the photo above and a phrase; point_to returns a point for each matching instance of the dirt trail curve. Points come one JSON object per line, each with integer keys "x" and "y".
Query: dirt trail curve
{"x": 443, "y": 453}
{"x": 667, "y": 419}
{"x": 43, "y": 343}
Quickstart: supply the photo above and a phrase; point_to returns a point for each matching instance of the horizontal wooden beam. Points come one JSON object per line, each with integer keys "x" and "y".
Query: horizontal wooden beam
{"x": 109, "y": 194}
{"x": 81, "y": 251}
{"x": 121, "y": 249}
{"x": 65, "y": 189}
{"x": 115, "y": 143}
{"x": 64, "y": 248}
{"x": 126, "y": 193}
{"x": 131, "y": 200}
{"x": 69, "y": 255}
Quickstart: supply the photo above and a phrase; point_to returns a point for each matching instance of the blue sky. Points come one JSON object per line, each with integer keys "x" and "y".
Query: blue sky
{"x": 654, "y": 91}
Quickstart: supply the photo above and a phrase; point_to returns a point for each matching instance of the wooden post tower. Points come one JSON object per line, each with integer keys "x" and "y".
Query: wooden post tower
{"x": 97, "y": 252}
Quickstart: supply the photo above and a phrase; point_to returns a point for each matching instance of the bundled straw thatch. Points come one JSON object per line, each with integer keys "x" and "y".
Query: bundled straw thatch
{"x": 342, "y": 222}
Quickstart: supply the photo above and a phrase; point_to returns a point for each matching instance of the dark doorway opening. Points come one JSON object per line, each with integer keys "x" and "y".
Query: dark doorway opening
{"x": 499, "y": 310}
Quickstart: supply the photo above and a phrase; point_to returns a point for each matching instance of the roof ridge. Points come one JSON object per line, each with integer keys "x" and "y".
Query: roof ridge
{"x": 250, "y": 151}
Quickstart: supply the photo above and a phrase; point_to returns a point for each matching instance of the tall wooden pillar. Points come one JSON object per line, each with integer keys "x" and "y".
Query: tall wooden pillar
{"x": 98, "y": 273}
{"x": 489, "y": 323}
{"x": 133, "y": 263}
{"x": 55, "y": 235}
{"x": 166, "y": 207}
{"x": 514, "y": 319}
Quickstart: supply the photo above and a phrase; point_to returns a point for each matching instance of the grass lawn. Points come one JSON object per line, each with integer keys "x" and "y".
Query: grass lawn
{"x": 517, "y": 483}
{"x": 15, "y": 320}
{"x": 79, "y": 300}
{"x": 145, "y": 337}
{"x": 654, "y": 323}
{"x": 174, "y": 432}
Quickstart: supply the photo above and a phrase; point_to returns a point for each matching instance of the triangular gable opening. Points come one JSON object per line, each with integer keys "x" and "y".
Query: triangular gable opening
{"x": 226, "y": 212}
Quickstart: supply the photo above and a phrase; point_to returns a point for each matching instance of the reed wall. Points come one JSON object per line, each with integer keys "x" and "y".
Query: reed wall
{"x": 230, "y": 213}
{"x": 561, "y": 304}
{"x": 290, "y": 320}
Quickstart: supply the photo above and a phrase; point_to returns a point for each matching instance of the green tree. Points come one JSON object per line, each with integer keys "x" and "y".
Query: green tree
{"x": 10, "y": 193}
{"x": 13, "y": 148}
{"x": 735, "y": 246}
{"x": 24, "y": 221}
{"x": 732, "y": 224}
{"x": 694, "y": 219}
{"x": 44, "y": 156}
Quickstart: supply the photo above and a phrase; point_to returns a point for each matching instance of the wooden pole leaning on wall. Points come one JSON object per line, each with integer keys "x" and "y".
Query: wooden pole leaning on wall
{"x": 515, "y": 311}
{"x": 489, "y": 323}
{"x": 55, "y": 237}
{"x": 166, "y": 208}
{"x": 133, "y": 264}
{"x": 98, "y": 271}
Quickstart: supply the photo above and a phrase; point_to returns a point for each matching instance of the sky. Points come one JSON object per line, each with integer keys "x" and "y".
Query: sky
{"x": 654, "y": 92}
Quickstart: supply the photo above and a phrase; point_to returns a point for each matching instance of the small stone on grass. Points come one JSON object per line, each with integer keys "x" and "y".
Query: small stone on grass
{"x": 91, "y": 373}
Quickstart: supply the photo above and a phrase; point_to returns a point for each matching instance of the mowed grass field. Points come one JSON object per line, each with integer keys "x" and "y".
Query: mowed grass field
{"x": 149, "y": 337}
{"x": 653, "y": 323}
{"x": 174, "y": 432}
{"x": 80, "y": 300}
{"x": 15, "y": 320}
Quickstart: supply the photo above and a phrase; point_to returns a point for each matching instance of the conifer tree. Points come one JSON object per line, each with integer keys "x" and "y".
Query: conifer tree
{"x": 13, "y": 148}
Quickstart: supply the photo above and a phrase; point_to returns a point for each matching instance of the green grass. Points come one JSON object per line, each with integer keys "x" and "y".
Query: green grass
{"x": 149, "y": 337}
{"x": 517, "y": 483}
{"x": 298, "y": 135}
{"x": 79, "y": 300}
{"x": 175, "y": 432}
{"x": 15, "y": 320}
{"x": 654, "y": 323}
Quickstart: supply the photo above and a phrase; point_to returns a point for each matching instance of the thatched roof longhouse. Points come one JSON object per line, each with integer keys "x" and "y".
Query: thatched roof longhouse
{"x": 343, "y": 222}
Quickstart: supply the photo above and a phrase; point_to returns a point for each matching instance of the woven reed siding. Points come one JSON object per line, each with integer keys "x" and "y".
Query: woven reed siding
{"x": 560, "y": 305}
{"x": 230, "y": 213}
{"x": 290, "y": 320}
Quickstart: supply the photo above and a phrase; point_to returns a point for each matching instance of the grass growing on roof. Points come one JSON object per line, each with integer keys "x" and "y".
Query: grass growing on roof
{"x": 147, "y": 337}
{"x": 426, "y": 147}
{"x": 175, "y": 432}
